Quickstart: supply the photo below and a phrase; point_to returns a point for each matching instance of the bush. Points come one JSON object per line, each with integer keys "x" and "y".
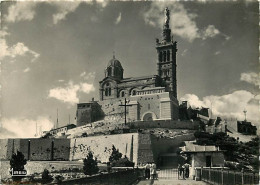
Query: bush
{"x": 17, "y": 163}
{"x": 90, "y": 165}
{"x": 115, "y": 155}
{"x": 46, "y": 177}
{"x": 123, "y": 162}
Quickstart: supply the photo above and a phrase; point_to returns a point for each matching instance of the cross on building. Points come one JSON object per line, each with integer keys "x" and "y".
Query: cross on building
{"x": 125, "y": 105}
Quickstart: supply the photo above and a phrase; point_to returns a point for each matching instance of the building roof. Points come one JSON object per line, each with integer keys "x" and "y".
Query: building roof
{"x": 139, "y": 78}
{"x": 114, "y": 62}
{"x": 193, "y": 148}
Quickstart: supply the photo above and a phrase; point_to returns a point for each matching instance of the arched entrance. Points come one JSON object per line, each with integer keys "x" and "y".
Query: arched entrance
{"x": 149, "y": 116}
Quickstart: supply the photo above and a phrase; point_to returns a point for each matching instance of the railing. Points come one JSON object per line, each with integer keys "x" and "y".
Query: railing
{"x": 226, "y": 177}
{"x": 168, "y": 173}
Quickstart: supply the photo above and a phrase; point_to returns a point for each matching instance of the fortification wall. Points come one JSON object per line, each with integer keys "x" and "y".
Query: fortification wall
{"x": 145, "y": 153}
{"x": 3, "y": 148}
{"x": 101, "y": 146}
{"x": 71, "y": 149}
{"x": 172, "y": 124}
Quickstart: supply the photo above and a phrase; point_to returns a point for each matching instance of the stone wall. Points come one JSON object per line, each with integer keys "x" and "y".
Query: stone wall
{"x": 101, "y": 146}
{"x": 3, "y": 148}
{"x": 171, "y": 124}
{"x": 145, "y": 152}
{"x": 71, "y": 149}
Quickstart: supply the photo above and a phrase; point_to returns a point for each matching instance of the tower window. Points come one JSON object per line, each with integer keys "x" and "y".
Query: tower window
{"x": 164, "y": 56}
{"x": 160, "y": 56}
{"x": 168, "y": 55}
{"x": 107, "y": 90}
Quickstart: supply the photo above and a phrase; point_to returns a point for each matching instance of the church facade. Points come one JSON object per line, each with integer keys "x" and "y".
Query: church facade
{"x": 147, "y": 97}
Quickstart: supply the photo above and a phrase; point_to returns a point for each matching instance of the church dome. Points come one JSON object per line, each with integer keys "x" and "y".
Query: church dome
{"x": 114, "y": 69}
{"x": 114, "y": 62}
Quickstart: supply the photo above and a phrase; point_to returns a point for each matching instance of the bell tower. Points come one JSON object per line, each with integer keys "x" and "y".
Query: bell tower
{"x": 166, "y": 50}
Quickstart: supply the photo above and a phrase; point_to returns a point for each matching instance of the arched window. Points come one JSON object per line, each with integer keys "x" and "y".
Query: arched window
{"x": 168, "y": 55}
{"x": 109, "y": 71}
{"x": 122, "y": 93}
{"x": 107, "y": 89}
{"x": 134, "y": 92}
{"x": 164, "y": 56}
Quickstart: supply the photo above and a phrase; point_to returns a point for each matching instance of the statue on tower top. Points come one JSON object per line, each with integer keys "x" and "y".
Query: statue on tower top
{"x": 167, "y": 17}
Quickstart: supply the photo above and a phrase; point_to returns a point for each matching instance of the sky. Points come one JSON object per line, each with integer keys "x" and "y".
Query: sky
{"x": 53, "y": 54}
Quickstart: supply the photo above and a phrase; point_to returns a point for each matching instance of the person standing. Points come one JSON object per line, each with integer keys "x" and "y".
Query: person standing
{"x": 147, "y": 171}
{"x": 153, "y": 171}
{"x": 187, "y": 170}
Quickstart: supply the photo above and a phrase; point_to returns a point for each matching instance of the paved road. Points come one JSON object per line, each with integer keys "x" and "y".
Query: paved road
{"x": 171, "y": 182}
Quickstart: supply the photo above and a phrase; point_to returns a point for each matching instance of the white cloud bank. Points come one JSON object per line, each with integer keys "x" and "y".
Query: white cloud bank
{"x": 229, "y": 105}
{"x": 18, "y": 49}
{"x": 23, "y": 128}
{"x": 21, "y": 11}
{"x": 182, "y": 22}
{"x": 69, "y": 93}
{"x": 250, "y": 77}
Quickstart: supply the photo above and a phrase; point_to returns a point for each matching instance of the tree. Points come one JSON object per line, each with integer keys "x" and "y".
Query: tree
{"x": 17, "y": 163}
{"x": 115, "y": 155}
{"x": 117, "y": 160}
{"x": 46, "y": 177}
{"x": 90, "y": 165}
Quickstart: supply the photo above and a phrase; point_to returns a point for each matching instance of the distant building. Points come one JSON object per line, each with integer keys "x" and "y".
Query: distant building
{"x": 187, "y": 113}
{"x": 246, "y": 127}
{"x": 148, "y": 97}
{"x": 61, "y": 130}
{"x": 88, "y": 112}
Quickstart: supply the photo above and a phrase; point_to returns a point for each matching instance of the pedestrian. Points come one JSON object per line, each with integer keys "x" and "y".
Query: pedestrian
{"x": 182, "y": 173}
{"x": 179, "y": 170}
{"x": 187, "y": 170}
{"x": 147, "y": 171}
{"x": 153, "y": 171}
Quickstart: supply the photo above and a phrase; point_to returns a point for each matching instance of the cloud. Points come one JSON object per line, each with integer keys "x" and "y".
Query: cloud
{"x": 21, "y": 11}
{"x": 18, "y": 49}
{"x": 209, "y": 32}
{"x": 118, "y": 19}
{"x": 23, "y": 128}
{"x": 229, "y": 105}
{"x": 63, "y": 8}
{"x": 217, "y": 53}
{"x": 182, "y": 23}
{"x": 250, "y": 77}
{"x": 25, "y": 11}
{"x": 69, "y": 93}
{"x": 26, "y": 70}
{"x": 90, "y": 76}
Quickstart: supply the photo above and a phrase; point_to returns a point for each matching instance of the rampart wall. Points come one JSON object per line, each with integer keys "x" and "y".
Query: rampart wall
{"x": 101, "y": 146}
{"x": 71, "y": 149}
{"x": 171, "y": 124}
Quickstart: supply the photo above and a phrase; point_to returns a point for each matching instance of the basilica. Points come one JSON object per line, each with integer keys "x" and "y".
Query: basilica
{"x": 142, "y": 98}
